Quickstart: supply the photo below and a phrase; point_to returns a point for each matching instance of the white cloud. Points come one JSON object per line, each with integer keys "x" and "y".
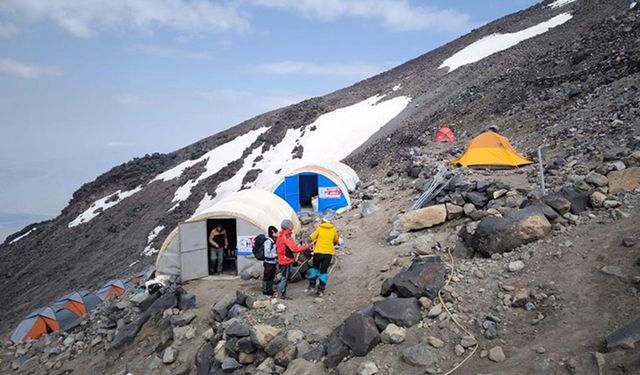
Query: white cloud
{"x": 161, "y": 51}
{"x": 86, "y": 18}
{"x": 398, "y": 15}
{"x": 8, "y": 30}
{"x": 25, "y": 70}
{"x": 348, "y": 70}
{"x": 259, "y": 102}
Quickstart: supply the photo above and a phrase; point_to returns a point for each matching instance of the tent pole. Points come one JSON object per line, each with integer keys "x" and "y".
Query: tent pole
{"x": 542, "y": 186}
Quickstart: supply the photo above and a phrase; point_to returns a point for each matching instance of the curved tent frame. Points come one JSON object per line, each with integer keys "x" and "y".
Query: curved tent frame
{"x": 35, "y": 325}
{"x": 111, "y": 288}
{"x": 339, "y": 174}
{"x": 255, "y": 206}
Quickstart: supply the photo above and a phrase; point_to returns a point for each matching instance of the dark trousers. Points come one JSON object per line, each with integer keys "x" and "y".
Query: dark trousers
{"x": 268, "y": 277}
{"x": 318, "y": 270}
{"x": 284, "y": 279}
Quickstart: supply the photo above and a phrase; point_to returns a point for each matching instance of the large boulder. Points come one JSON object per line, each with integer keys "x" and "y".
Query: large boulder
{"x": 127, "y": 334}
{"x": 500, "y": 234}
{"x": 263, "y": 334}
{"x": 624, "y": 180}
{"x": 559, "y": 203}
{"x": 359, "y": 333}
{"x": 335, "y": 349}
{"x": 222, "y": 306}
{"x": 421, "y": 218}
{"x": 596, "y": 179}
{"x": 423, "y": 278}
{"x": 478, "y": 199}
{"x": 404, "y": 312}
{"x": 579, "y": 199}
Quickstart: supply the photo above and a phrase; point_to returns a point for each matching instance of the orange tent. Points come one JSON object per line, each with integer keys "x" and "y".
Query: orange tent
{"x": 490, "y": 149}
{"x": 112, "y": 288}
{"x": 79, "y": 302}
{"x": 35, "y": 325}
{"x": 444, "y": 135}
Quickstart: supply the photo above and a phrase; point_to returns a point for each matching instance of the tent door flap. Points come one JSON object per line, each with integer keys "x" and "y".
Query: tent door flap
{"x": 292, "y": 192}
{"x": 194, "y": 262}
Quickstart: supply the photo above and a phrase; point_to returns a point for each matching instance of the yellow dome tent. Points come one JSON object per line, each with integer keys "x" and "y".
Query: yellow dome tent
{"x": 491, "y": 149}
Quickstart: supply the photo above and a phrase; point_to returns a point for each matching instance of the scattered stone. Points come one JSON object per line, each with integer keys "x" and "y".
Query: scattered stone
{"x": 184, "y": 333}
{"x": 628, "y": 241}
{"x": 496, "y": 354}
{"x": 169, "y": 355}
{"x": 335, "y": 349}
{"x": 295, "y": 336}
{"x": 435, "y": 342}
{"x": 222, "y": 306}
{"x": 625, "y": 180}
{"x": 424, "y": 277}
{"x": 421, "y": 218}
{"x": 516, "y": 266}
{"x": 597, "y": 199}
{"x": 468, "y": 341}
{"x": 368, "y": 208}
{"x": 238, "y": 329}
{"x": 182, "y": 319}
{"x": 96, "y": 341}
{"x": 613, "y": 271}
{"x": 263, "y": 334}
{"x": 302, "y": 367}
{"x": 276, "y": 345}
{"x": 420, "y": 355}
{"x": 478, "y": 199}
{"x": 435, "y": 311}
{"x": 286, "y": 355}
{"x": 611, "y": 203}
{"x": 425, "y": 302}
{"x": 403, "y": 312}
{"x": 367, "y": 368}
{"x": 230, "y": 365}
{"x": 261, "y": 304}
{"x": 236, "y": 311}
{"x": 459, "y": 350}
{"x": 626, "y": 336}
{"x": 393, "y": 334}
{"x": 541, "y": 350}
{"x": 596, "y": 179}
{"x": 359, "y": 332}
{"x": 454, "y": 211}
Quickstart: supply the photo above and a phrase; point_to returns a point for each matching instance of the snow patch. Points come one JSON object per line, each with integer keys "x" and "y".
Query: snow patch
{"x": 150, "y": 250}
{"x": 396, "y": 87}
{"x": 499, "y": 42}
{"x": 559, "y": 3}
{"x": 102, "y": 205}
{"x": 23, "y": 236}
{"x": 333, "y": 136}
{"x": 216, "y": 159}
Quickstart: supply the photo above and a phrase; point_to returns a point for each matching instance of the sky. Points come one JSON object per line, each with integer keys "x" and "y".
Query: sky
{"x": 88, "y": 84}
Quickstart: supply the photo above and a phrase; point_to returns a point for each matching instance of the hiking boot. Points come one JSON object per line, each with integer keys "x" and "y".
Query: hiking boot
{"x": 308, "y": 290}
{"x": 283, "y": 297}
{"x": 320, "y": 293}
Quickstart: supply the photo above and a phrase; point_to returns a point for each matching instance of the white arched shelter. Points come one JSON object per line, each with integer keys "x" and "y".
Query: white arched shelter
{"x": 244, "y": 214}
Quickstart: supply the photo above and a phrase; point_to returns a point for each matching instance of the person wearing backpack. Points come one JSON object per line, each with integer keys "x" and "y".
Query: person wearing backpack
{"x": 325, "y": 238}
{"x": 285, "y": 248}
{"x": 270, "y": 261}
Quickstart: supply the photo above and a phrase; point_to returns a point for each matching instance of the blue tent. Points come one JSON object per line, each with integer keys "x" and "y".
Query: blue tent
{"x": 321, "y": 186}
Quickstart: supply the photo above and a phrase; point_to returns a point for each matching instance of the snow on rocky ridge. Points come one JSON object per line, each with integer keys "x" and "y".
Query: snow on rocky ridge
{"x": 495, "y": 43}
{"x": 150, "y": 250}
{"x": 333, "y": 136}
{"x": 102, "y": 205}
{"x": 23, "y": 236}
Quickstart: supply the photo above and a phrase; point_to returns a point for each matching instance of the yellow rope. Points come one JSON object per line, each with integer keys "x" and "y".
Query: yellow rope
{"x": 475, "y": 348}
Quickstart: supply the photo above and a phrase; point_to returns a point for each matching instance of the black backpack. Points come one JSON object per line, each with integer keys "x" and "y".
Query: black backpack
{"x": 258, "y": 246}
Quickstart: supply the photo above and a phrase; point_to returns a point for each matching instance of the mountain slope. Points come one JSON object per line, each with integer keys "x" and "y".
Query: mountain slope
{"x": 578, "y": 74}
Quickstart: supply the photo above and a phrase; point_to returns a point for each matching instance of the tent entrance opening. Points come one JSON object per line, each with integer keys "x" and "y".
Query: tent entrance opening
{"x": 229, "y": 254}
{"x": 308, "y": 188}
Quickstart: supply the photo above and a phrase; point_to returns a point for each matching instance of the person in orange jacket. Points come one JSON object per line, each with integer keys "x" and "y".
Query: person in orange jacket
{"x": 325, "y": 238}
{"x": 286, "y": 247}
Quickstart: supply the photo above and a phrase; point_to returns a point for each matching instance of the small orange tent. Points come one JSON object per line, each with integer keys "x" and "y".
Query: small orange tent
{"x": 444, "y": 135}
{"x": 111, "y": 288}
{"x": 35, "y": 325}
{"x": 79, "y": 302}
{"x": 491, "y": 150}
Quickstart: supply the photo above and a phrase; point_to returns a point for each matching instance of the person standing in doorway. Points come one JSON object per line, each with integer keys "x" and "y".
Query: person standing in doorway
{"x": 270, "y": 261}
{"x": 218, "y": 241}
{"x": 286, "y": 247}
{"x": 325, "y": 238}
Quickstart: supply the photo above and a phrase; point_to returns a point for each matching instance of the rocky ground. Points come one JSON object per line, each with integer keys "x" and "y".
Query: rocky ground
{"x": 560, "y": 277}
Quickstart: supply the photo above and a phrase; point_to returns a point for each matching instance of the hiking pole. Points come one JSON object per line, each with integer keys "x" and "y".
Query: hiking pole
{"x": 299, "y": 267}
{"x": 541, "y": 168}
